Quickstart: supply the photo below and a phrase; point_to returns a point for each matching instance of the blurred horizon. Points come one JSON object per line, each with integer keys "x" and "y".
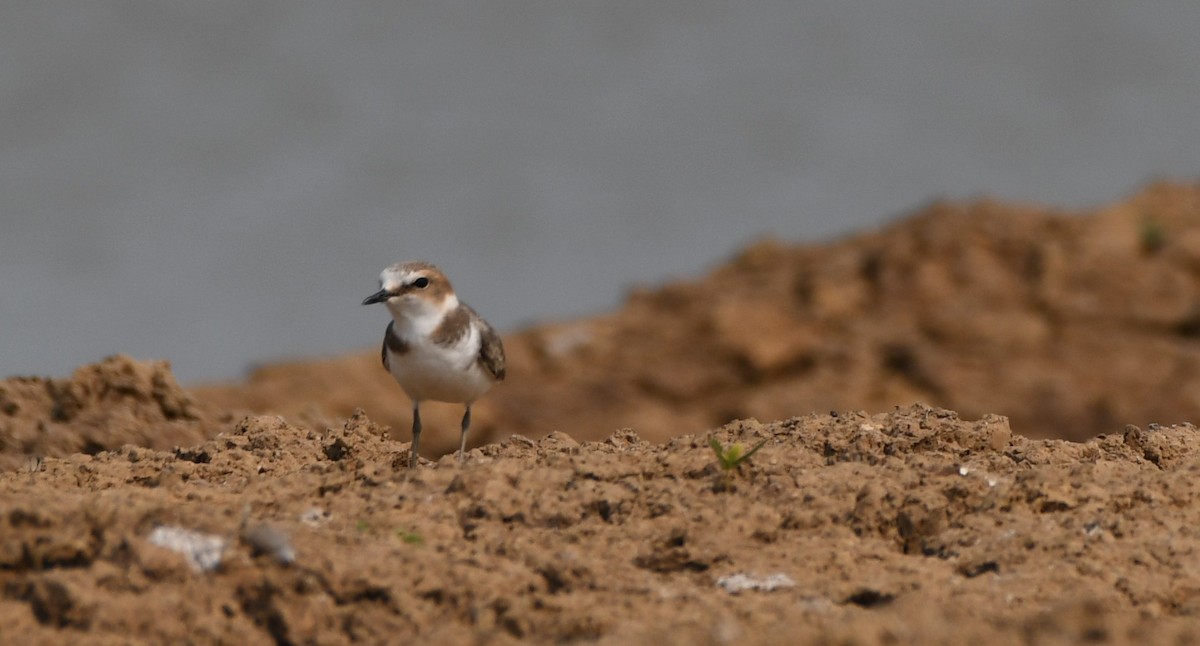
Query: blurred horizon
{"x": 219, "y": 184}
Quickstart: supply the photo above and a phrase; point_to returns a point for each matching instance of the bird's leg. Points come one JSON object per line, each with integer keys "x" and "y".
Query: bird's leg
{"x": 462, "y": 443}
{"x": 416, "y": 433}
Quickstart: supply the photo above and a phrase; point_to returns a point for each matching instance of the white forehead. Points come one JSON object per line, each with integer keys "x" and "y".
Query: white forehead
{"x": 393, "y": 277}
{"x": 404, "y": 273}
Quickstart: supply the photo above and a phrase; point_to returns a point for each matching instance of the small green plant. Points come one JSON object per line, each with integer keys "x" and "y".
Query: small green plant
{"x": 412, "y": 538}
{"x": 731, "y": 457}
{"x": 362, "y": 526}
{"x": 1153, "y": 235}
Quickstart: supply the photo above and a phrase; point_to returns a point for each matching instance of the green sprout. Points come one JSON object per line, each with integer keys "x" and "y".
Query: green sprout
{"x": 1153, "y": 235}
{"x": 412, "y": 538}
{"x": 734, "y": 455}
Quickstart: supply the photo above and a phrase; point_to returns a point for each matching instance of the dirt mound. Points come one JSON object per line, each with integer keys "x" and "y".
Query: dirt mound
{"x": 911, "y": 526}
{"x": 155, "y": 517}
{"x": 102, "y": 406}
{"x": 1070, "y": 324}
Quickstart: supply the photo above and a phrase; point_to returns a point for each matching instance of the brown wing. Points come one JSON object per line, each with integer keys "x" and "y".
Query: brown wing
{"x": 491, "y": 351}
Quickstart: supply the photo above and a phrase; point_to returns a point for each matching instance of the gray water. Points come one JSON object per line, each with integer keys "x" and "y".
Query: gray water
{"x": 219, "y": 183}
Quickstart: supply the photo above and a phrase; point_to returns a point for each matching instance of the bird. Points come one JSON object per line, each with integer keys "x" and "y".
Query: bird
{"x": 436, "y": 347}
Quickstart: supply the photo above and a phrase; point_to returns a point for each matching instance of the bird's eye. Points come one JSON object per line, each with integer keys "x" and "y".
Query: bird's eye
{"x": 421, "y": 283}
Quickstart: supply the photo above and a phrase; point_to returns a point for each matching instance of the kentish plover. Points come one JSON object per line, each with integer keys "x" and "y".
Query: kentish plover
{"x": 437, "y": 348}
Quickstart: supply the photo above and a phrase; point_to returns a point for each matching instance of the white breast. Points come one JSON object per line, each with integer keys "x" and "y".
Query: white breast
{"x": 427, "y": 371}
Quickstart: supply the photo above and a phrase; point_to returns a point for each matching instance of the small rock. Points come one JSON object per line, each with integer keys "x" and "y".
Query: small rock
{"x": 264, "y": 538}
{"x": 314, "y": 516}
{"x": 202, "y": 551}
{"x": 737, "y": 583}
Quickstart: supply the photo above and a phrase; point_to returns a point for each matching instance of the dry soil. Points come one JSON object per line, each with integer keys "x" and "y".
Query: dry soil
{"x": 592, "y": 508}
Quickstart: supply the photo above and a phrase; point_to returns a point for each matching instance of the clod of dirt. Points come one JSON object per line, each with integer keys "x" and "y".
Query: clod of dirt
{"x": 52, "y": 603}
{"x": 101, "y": 407}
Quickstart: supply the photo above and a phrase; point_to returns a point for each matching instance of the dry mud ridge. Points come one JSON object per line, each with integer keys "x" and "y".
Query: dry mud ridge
{"x": 276, "y": 511}
{"x": 1070, "y": 324}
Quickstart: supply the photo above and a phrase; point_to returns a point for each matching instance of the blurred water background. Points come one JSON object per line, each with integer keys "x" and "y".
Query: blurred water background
{"x": 219, "y": 183}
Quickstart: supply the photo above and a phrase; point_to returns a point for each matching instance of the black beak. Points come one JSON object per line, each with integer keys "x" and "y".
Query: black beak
{"x": 378, "y": 297}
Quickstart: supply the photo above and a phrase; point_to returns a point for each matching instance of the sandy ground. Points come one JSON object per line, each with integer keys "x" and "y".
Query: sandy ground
{"x": 592, "y": 507}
